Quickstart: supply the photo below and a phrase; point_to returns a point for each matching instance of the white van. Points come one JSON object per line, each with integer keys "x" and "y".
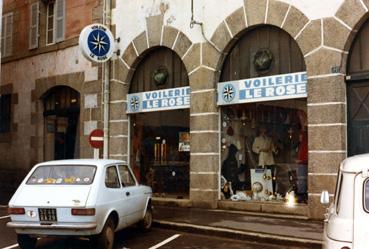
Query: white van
{"x": 346, "y": 224}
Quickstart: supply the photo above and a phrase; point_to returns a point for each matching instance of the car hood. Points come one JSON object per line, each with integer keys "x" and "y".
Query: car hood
{"x": 52, "y": 196}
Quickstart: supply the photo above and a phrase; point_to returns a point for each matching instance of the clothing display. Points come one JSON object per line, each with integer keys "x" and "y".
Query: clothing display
{"x": 264, "y": 147}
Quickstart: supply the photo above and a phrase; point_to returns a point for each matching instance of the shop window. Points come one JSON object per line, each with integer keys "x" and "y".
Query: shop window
{"x": 160, "y": 152}
{"x": 264, "y": 151}
{"x": 5, "y": 108}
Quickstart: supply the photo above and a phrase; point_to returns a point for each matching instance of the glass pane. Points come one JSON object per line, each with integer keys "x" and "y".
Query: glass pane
{"x": 63, "y": 174}
{"x": 366, "y": 196}
{"x": 111, "y": 178}
{"x": 125, "y": 176}
{"x": 264, "y": 151}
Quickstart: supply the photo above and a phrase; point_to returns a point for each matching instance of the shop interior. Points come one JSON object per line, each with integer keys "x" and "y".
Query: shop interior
{"x": 264, "y": 151}
{"x": 160, "y": 151}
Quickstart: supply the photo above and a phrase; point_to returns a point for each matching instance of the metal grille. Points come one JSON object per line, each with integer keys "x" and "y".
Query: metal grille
{"x": 47, "y": 214}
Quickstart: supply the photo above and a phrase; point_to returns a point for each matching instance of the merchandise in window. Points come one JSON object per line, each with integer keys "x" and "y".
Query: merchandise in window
{"x": 265, "y": 151}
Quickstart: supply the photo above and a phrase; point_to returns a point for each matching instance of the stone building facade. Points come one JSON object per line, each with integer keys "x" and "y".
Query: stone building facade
{"x": 323, "y": 31}
{"x": 32, "y": 73}
{"x": 195, "y": 42}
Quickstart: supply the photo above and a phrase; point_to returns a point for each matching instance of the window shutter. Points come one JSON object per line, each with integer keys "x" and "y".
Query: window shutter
{"x": 59, "y": 20}
{"x": 7, "y": 35}
{"x": 3, "y": 36}
{"x": 33, "y": 29}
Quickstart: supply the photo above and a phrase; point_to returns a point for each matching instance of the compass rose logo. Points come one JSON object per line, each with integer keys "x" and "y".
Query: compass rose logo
{"x": 228, "y": 93}
{"x": 134, "y": 103}
{"x": 98, "y": 43}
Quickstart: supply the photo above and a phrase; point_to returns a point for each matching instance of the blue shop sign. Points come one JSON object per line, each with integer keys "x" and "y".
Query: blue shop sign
{"x": 160, "y": 100}
{"x": 276, "y": 87}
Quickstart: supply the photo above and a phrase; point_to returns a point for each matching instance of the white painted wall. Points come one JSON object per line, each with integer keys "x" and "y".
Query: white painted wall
{"x": 130, "y": 15}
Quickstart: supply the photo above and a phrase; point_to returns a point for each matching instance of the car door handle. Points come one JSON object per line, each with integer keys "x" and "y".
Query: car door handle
{"x": 128, "y": 193}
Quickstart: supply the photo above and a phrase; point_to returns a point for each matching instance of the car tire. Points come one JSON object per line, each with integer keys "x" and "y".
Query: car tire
{"x": 105, "y": 239}
{"x": 146, "y": 223}
{"x": 26, "y": 242}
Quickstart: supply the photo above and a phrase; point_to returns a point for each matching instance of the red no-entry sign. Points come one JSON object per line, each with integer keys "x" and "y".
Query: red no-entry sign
{"x": 96, "y": 139}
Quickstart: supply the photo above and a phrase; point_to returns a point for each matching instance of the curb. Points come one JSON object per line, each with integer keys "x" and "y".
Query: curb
{"x": 237, "y": 234}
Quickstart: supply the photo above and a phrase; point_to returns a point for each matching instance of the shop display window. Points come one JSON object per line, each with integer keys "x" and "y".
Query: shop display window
{"x": 265, "y": 151}
{"x": 160, "y": 151}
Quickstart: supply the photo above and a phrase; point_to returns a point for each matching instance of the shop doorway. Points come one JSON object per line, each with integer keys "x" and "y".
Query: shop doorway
{"x": 61, "y": 117}
{"x": 358, "y": 94}
{"x": 159, "y": 131}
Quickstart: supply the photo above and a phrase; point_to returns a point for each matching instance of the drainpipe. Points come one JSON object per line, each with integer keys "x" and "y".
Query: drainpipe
{"x": 106, "y": 69}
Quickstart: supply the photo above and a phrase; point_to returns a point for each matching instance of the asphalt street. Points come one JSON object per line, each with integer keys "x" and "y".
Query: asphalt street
{"x": 132, "y": 238}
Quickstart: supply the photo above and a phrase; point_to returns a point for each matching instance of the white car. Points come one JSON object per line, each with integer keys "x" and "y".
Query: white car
{"x": 347, "y": 218}
{"x": 92, "y": 198}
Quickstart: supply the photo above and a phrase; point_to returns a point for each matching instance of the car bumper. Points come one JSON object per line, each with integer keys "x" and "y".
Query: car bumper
{"x": 69, "y": 229}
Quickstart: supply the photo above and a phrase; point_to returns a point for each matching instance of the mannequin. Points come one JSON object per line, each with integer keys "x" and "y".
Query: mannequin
{"x": 230, "y": 167}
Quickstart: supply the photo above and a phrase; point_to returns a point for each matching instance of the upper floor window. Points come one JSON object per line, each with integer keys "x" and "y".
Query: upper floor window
{"x": 5, "y": 108}
{"x": 55, "y": 27}
{"x": 33, "y": 25}
{"x": 7, "y": 35}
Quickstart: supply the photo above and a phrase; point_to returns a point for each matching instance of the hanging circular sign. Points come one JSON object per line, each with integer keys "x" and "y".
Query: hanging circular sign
{"x": 97, "y": 43}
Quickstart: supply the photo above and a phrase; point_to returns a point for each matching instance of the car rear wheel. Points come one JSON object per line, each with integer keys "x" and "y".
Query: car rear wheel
{"x": 26, "y": 242}
{"x": 146, "y": 223}
{"x": 105, "y": 239}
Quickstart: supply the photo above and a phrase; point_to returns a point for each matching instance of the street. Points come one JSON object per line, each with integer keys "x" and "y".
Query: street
{"x": 132, "y": 238}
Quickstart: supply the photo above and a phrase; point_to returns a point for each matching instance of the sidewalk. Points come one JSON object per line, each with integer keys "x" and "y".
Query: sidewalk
{"x": 274, "y": 229}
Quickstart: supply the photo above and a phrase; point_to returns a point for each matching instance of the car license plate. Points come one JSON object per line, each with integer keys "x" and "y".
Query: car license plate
{"x": 47, "y": 214}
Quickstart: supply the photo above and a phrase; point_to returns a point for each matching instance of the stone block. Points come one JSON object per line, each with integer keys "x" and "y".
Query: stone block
{"x": 92, "y": 87}
{"x": 318, "y": 183}
{"x": 298, "y": 209}
{"x": 255, "y": 11}
{"x": 117, "y": 111}
{"x": 204, "y": 102}
{"x": 204, "y": 123}
{"x": 141, "y": 43}
{"x": 316, "y": 209}
{"x": 204, "y": 199}
{"x": 327, "y": 114}
{"x": 204, "y": 163}
{"x": 236, "y": 21}
{"x": 327, "y": 138}
{"x": 154, "y": 29}
{"x": 276, "y": 12}
{"x": 129, "y": 55}
{"x": 244, "y": 206}
{"x": 335, "y": 34}
{"x": 202, "y": 79}
{"x": 121, "y": 72}
{"x": 118, "y": 91}
{"x": 192, "y": 58}
{"x": 310, "y": 37}
{"x": 204, "y": 142}
{"x": 182, "y": 44}
{"x": 169, "y": 36}
{"x": 221, "y": 37}
{"x": 96, "y": 114}
{"x": 210, "y": 56}
{"x": 322, "y": 62}
{"x": 295, "y": 21}
{"x": 347, "y": 10}
{"x": 203, "y": 181}
{"x": 325, "y": 162}
{"x": 117, "y": 145}
{"x": 329, "y": 89}
{"x": 118, "y": 128}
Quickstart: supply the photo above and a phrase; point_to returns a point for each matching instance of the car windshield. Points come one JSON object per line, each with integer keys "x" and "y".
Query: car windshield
{"x": 63, "y": 174}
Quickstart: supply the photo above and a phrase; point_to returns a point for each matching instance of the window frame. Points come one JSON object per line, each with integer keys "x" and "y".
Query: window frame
{"x": 118, "y": 186}
{"x": 4, "y": 35}
{"x": 55, "y": 20}
{"x": 34, "y": 26}
{"x": 131, "y": 176}
{"x": 366, "y": 208}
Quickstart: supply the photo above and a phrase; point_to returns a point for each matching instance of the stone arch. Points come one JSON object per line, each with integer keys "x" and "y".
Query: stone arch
{"x": 142, "y": 44}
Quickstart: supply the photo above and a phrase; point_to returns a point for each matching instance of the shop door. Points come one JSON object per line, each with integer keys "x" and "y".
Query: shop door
{"x": 358, "y": 117}
{"x": 61, "y": 117}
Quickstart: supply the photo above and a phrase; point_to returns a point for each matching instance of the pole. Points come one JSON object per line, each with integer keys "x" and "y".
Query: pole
{"x": 106, "y": 68}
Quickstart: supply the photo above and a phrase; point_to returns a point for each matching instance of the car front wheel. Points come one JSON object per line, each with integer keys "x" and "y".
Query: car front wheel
{"x": 26, "y": 242}
{"x": 146, "y": 223}
{"x": 105, "y": 239}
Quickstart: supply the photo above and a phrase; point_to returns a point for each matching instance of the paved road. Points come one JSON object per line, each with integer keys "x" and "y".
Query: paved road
{"x": 132, "y": 238}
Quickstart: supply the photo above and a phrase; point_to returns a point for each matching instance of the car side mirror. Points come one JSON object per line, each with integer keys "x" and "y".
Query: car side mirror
{"x": 324, "y": 197}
